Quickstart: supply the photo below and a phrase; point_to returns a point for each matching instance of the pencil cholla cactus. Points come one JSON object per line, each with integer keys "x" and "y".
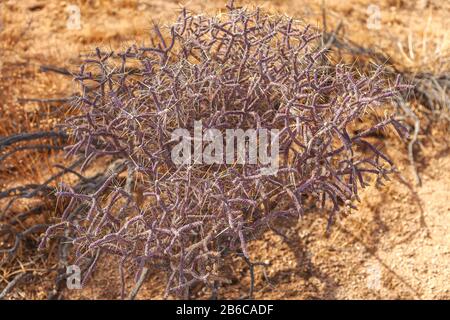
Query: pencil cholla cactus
{"x": 242, "y": 69}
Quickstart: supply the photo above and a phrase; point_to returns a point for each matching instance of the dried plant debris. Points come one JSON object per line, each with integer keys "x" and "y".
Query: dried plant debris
{"x": 242, "y": 69}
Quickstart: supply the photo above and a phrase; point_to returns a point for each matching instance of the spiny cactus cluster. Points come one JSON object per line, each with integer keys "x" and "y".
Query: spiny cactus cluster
{"x": 241, "y": 69}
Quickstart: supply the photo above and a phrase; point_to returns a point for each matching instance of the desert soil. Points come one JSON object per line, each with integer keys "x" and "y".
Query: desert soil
{"x": 394, "y": 246}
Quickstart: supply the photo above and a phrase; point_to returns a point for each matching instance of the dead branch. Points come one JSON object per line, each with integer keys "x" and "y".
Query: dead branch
{"x": 22, "y": 191}
{"x": 49, "y": 100}
{"x": 251, "y": 266}
{"x": 30, "y": 147}
{"x": 138, "y": 284}
{"x": 50, "y": 68}
{"x": 18, "y": 218}
{"x": 21, "y": 137}
{"x": 32, "y": 190}
{"x": 19, "y": 236}
{"x": 11, "y": 285}
{"x": 71, "y": 170}
{"x": 413, "y": 140}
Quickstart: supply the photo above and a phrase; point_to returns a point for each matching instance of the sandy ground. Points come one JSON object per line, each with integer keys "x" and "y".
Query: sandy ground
{"x": 396, "y": 245}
